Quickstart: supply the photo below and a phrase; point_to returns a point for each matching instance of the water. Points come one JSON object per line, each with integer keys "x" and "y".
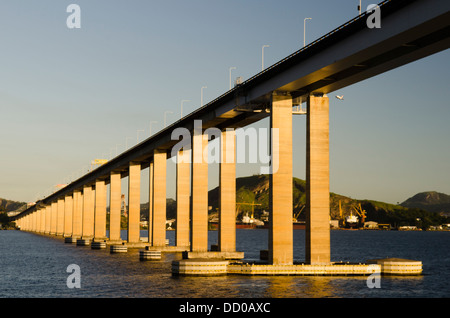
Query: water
{"x": 35, "y": 266}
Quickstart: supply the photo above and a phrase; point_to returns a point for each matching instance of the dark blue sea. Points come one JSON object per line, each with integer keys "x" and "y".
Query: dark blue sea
{"x": 35, "y": 266}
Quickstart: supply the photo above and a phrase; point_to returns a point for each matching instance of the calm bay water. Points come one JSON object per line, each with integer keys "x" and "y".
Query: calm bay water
{"x": 32, "y": 265}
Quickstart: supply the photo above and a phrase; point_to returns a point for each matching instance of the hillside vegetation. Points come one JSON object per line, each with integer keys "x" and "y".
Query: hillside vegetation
{"x": 255, "y": 189}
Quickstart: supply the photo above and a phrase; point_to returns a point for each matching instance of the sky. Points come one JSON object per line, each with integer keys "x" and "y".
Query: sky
{"x": 69, "y": 96}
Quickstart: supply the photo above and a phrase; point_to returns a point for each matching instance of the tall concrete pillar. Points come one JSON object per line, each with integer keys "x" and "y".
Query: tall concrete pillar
{"x": 77, "y": 217}
{"x": 183, "y": 198}
{"x": 280, "y": 194}
{"x": 100, "y": 210}
{"x": 159, "y": 198}
{"x": 150, "y": 203}
{"x": 227, "y": 193}
{"x": 87, "y": 231}
{"x": 134, "y": 202}
{"x": 114, "y": 206}
{"x": 199, "y": 193}
{"x": 68, "y": 216}
{"x": 42, "y": 221}
{"x": 33, "y": 221}
{"x": 60, "y": 217}
{"x": 54, "y": 214}
{"x": 48, "y": 216}
{"x": 317, "y": 182}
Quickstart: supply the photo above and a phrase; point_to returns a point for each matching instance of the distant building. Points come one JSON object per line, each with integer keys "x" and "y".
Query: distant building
{"x": 370, "y": 225}
{"x": 334, "y": 224}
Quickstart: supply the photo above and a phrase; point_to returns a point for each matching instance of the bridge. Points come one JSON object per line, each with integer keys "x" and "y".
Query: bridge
{"x": 410, "y": 30}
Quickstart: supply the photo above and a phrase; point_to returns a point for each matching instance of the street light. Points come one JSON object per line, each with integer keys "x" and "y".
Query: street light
{"x": 201, "y": 97}
{"x": 165, "y": 113}
{"x": 152, "y": 122}
{"x": 359, "y": 7}
{"x": 231, "y": 68}
{"x": 126, "y": 142}
{"x": 137, "y": 138}
{"x": 181, "y": 112}
{"x": 304, "y": 30}
{"x": 262, "y": 58}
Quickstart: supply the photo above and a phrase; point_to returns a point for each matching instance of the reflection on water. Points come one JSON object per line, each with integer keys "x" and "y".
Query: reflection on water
{"x": 35, "y": 266}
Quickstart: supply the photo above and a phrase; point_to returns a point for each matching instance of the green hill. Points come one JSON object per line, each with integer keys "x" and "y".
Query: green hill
{"x": 431, "y": 201}
{"x": 255, "y": 189}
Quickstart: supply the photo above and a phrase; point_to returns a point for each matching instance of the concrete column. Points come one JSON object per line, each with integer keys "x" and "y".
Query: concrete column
{"x": 227, "y": 193}
{"x": 199, "y": 193}
{"x": 280, "y": 194}
{"x": 150, "y": 203}
{"x": 60, "y": 217}
{"x": 183, "y": 198}
{"x": 114, "y": 206}
{"x": 33, "y": 221}
{"x": 48, "y": 216}
{"x": 42, "y": 221}
{"x": 87, "y": 226}
{"x": 68, "y": 215}
{"x": 77, "y": 217}
{"x": 54, "y": 213}
{"x": 100, "y": 211}
{"x": 134, "y": 202}
{"x": 159, "y": 198}
{"x": 317, "y": 182}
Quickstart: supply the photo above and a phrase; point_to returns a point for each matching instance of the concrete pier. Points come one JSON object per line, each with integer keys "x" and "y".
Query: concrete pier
{"x": 150, "y": 255}
{"x": 134, "y": 202}
{"x": 118, "y": 249}
{"x": 114, "y": 206}
{"x": 87, "y": 225}
{"x": 60, "y": 217}
{"x": 227, "y": 193}
{"x": 77, "y": 214}
{"x": 199, "y": 193}
{"x": 68, "y": 212}
{"x": 317, "y": 181}
{"x": 183, "y": 198}
{"x": 159, "y": 198}
{"x": 281, "y": 247}
{"x": 100, "y": 211}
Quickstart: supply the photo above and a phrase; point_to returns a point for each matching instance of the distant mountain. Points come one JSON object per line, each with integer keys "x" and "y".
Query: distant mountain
{"x": 431, "y": 201}
{"x": 8, "y": 205}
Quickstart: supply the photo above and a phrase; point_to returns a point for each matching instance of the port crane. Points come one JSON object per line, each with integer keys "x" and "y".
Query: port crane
{"x": 238, "y": 207}
{"x": 296, "y": 215}
{"x": 359, "y": 211}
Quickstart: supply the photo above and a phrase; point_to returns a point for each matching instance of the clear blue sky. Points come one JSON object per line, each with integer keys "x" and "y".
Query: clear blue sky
{"x": 68, "y": 96}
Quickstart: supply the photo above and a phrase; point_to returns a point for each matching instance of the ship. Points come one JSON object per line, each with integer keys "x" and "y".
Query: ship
{"x": 351, "y": 221}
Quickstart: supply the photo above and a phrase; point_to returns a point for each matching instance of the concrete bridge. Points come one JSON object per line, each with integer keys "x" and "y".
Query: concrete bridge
{"x": 410, "y": 30}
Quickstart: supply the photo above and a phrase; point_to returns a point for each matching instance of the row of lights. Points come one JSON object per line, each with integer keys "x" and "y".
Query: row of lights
{"x": 201, "y": 95}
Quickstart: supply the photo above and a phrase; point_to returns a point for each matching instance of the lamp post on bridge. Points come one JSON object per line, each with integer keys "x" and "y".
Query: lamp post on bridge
{"x": 137, "y": 137}
{"x": 152, "y": 122}
{"x": 165, "y": 113}
{"x": 262, "y": 57}
{"x": 231, "y": 68}
{"x": 181, "y": 111}
{"x": 201, "y": 97}
{"x": 304, "y": 30}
